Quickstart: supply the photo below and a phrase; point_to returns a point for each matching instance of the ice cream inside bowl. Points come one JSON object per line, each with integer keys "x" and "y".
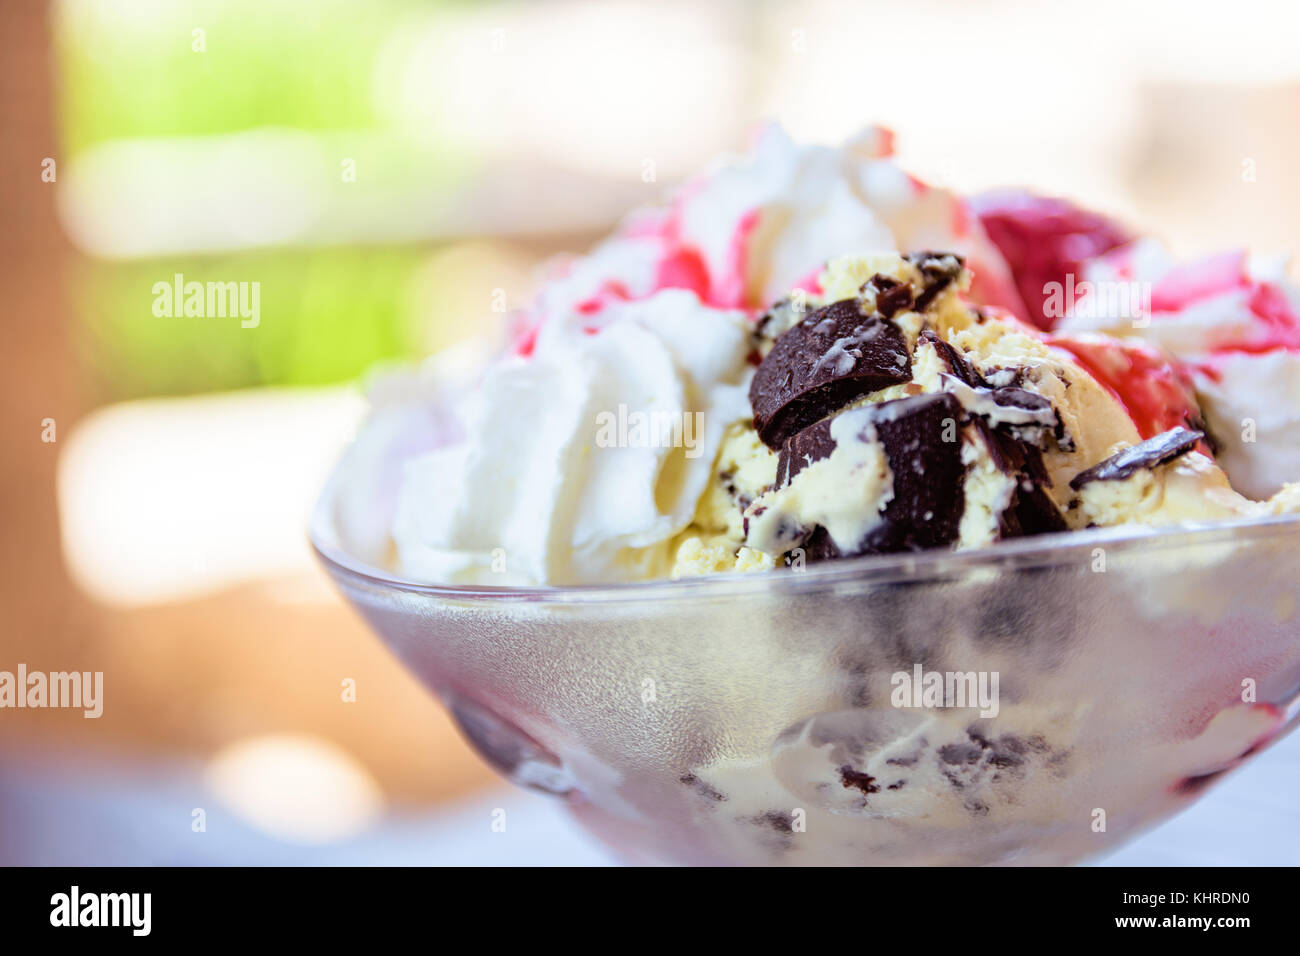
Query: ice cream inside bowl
{"x": 779, "y": 463}
{"x": 1032, "y": 703}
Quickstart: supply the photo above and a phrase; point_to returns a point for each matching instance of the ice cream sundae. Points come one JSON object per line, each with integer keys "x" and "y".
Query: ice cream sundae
{"x": 825, "y": 516}
{"x": 820, "y": 357}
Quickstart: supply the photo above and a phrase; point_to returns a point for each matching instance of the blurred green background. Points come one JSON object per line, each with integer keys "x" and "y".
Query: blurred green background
{"x": 214, "y": 138}
{"x": 149, "y": 72}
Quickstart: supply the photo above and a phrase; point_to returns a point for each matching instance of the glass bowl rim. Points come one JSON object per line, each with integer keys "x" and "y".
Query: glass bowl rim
{"x": 1038, "y": 552}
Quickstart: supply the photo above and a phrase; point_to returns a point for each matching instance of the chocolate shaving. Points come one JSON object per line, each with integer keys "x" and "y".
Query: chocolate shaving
{"x": 1151, "y": 453}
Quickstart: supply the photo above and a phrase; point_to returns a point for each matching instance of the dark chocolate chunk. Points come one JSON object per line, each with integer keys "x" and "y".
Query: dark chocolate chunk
{"x": 802, "y": 449}
{"x": 1031, "y": 510}
{"x": 820, "y": 547}
{"x": 922, "y": 440}
{"x": 1029, "y": 460}
{"x": 832, "y": 357}
{"x": 955, "y": 361}
{"x": 938, "y": 271}
{"x": 1155, "y": 451}
{"x": 892, "y": 296}
{"x": 856, "y": 779}
{"x": 921, "y": 437}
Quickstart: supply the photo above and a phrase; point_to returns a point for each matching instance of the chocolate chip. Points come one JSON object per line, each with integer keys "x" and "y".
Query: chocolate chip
{"x": 938, "y": 271}
{"x": 832, "y": 357}
{"x": 892, "y": 296}
{"x": 1155, "y": 451}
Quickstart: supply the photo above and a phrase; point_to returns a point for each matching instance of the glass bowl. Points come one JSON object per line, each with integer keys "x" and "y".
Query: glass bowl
{"x": 1032, "y": 703}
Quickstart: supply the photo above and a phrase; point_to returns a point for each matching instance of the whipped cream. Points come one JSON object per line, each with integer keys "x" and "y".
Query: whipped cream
{"x": 533, "y": 496}
{"x": 755, "y": 227}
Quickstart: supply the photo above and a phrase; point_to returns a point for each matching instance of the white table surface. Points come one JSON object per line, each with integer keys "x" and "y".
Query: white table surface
{"x": 81, "y": 812}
